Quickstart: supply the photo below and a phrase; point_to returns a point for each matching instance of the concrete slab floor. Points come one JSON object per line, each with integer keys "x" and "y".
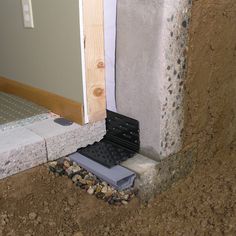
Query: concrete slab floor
{"x": 20, "y": 149}
{"x": 25, "y": 147}
{"x": 30, "y": 137}
{"x": 15, "y": 111}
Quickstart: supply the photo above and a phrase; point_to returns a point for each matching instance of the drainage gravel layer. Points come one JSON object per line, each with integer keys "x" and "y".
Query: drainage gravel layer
{"x": 90, "y": 183}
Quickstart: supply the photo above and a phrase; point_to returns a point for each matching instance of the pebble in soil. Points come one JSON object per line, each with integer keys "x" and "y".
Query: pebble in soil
{"x": 90, "y": 183}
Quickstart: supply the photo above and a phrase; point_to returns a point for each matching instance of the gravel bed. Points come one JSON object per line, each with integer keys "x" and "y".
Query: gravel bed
{"x": 90, "y": 183}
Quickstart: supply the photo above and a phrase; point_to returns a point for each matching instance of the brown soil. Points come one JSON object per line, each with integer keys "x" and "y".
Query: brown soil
{"x": 210, "y": 111}
{"x": 38, "y": 203}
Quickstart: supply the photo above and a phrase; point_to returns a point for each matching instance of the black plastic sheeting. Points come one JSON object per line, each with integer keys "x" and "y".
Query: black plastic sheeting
{"x": 120, "y": 142}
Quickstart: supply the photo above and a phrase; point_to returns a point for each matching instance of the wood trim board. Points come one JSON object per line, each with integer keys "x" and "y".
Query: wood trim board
{"x": 67, "y": 108}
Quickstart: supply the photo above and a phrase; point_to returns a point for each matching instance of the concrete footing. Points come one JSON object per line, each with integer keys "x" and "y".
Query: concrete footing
{"x": 29, "y": 146}
{"x": 155, "y": 177}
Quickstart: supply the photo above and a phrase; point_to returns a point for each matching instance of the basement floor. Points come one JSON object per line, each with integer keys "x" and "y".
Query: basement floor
{"x": 38, "y": 203}
{"x": 15, "y": 112}
{"x": 30, "y": 137}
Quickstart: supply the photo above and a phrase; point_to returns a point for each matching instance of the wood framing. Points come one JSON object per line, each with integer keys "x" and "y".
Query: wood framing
{"x": 67, "y": 108}
{"x": 93, "y": 22}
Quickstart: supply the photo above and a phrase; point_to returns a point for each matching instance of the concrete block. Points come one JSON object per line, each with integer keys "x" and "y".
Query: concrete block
{"x": 140, "y": 164}
{"x": 145, "y": 169}
{"x": 20, "y": 149}
{"x": 64, "y": 140}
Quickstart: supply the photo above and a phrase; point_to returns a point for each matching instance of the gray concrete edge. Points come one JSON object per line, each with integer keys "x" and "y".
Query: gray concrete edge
{"x": 159, "y": 176}
{"x": 32, "y": 145}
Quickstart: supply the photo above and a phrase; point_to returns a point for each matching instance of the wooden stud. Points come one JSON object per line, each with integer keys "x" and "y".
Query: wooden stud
{"x": 93, "y": 20}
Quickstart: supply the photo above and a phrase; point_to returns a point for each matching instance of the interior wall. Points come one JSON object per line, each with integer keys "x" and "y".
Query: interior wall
{"x": 210, "y": 107}
{"x": 48, "y": 56}
{"x": 150, "y": 70}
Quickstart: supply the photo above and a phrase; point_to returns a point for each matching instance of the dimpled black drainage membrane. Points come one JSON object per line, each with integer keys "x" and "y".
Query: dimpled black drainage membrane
{"x": 120, "y": 143}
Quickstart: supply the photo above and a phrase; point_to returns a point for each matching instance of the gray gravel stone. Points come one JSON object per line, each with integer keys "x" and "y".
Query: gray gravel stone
{"x": 89, "y": 182}
{"x": 32, "y": 216}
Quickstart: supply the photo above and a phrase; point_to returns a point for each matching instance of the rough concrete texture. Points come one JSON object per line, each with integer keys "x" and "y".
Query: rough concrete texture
{"x": 151, "y": 65}
{"x": 31, "y": 145}
{"x": 63, "y": 140}
{"x": 210, "y": 98}
{"x": 155, "y": 177}
{"x": 140, "y": 164}
{"x": 174, "y": 48}
{"x": 172, "y": 169}
{"x": 24, "y": 122}
{"x": 20, "y": 149}
{"x": 145, "y": 170}
{"x": 17, "y": 112}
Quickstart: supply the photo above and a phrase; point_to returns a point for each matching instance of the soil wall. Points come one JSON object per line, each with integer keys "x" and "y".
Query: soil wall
{"x": 210, "y": 95}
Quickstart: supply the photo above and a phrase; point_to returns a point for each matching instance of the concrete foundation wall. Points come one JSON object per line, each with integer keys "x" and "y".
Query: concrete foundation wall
{"x": 151, "y": 63}
{"x": 210, "y": 98}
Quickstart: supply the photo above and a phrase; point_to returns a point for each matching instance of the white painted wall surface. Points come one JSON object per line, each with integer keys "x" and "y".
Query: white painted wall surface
{"x": 110, "y": 45}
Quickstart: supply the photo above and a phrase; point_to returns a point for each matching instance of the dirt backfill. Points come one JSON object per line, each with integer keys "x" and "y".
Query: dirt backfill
{"x": 210, "y": 114}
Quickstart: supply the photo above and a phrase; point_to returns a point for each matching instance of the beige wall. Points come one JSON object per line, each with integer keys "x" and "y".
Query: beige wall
{"x": 48, "y": 56}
